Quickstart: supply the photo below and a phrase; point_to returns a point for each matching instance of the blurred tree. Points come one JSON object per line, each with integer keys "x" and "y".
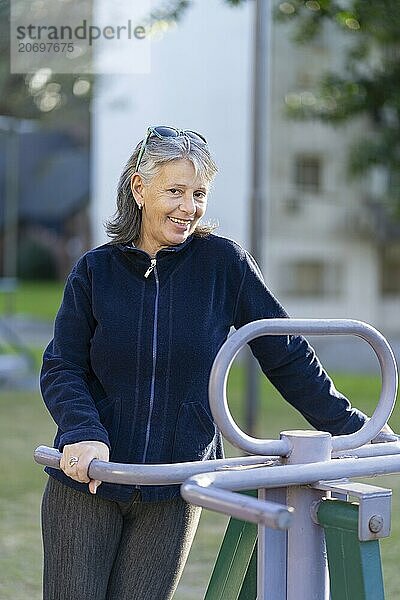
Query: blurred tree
{"x": 174, "y": 10}
{"x": 43, "y": 95}
{"x": 366, "y": 86}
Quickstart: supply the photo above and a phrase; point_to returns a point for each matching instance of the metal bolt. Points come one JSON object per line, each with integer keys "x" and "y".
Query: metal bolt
{"x": 375, "y": 523}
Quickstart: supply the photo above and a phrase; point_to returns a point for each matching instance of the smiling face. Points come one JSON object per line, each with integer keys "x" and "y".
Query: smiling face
{"x": 172, "y": 205}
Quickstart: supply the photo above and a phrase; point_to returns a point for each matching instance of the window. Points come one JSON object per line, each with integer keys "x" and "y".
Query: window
{"x": 307, "y": 175}
{"x": 311, "y": 278}
{"x": 390, "y": 272}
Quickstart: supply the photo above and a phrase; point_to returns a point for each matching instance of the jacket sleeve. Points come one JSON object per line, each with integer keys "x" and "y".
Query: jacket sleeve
{"x": 65, "y": 373}
{"x": 290, "y": 362}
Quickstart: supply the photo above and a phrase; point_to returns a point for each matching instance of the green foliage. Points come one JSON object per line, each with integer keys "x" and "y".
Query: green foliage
{"x": 367, "y": 85}
{"x": 235, "y": 2}
{"x": 170, "y": 11}
{"x": 42, "y": 96}
{"x": 35, "y": 261}
{"x": 174, "y": 10}
{"x": 36, "y": 299}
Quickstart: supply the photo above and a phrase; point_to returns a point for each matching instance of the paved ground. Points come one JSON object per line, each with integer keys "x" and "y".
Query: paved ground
{"x": 33, "y": 332}
{"x": 24, "y": 333}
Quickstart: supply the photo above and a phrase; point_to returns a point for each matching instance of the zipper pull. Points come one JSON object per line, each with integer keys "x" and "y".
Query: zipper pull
{"x": 151, "y": 267}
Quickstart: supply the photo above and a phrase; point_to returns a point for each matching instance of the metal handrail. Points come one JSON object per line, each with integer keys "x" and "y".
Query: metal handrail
{"x": 232, "y": 346}
{"x": 213, "y": 484}
{"x": 382, "y": 449}
{"x": 237, "y": 473}
{"x": 297, "y": 474}
{"x": 149, "y": 474}
{"x": 270, "y": 514}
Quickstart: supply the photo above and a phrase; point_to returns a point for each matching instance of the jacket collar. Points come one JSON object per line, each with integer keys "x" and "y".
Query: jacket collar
{"x": 177, "y": 248}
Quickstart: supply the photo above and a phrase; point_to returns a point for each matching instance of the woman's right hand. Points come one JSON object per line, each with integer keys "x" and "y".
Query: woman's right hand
{"x": 84, "y": 452}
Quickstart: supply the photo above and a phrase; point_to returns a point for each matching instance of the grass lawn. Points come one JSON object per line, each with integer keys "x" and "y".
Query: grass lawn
{"x": 37, "y": 299}
{"x": 25, "y": 424}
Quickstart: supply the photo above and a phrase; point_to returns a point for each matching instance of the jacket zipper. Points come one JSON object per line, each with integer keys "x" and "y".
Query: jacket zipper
{"x": 154, "y": 355}
{"x": 153, "y": 262}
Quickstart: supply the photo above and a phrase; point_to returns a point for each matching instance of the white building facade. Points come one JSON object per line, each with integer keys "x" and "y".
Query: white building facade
{"x": 321, "y": 254}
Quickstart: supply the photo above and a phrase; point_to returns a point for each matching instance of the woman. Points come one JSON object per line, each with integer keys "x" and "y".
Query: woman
{"x": 126, "y": 374}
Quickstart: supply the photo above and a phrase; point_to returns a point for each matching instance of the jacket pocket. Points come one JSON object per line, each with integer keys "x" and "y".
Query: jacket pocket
{"x": 109, "y": 410}
{"x": 195, "y": 434}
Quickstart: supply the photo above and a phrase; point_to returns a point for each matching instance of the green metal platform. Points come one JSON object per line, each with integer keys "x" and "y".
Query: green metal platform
{"x": 355, "y": 570}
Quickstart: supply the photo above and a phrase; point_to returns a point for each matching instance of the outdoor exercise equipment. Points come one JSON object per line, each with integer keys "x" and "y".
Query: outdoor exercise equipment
{"x": 291, "y": 529}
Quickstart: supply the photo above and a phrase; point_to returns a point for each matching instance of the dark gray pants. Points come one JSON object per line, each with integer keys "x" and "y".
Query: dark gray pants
{"x": 96, "y": 549}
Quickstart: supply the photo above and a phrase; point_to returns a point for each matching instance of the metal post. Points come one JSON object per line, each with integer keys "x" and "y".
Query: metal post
{"x": 307, "y": 570}
{"x": 272, "y": 553}
{"x": 280, "y": 572}
{"x": 10, "y": 231}
{"x": 258, "y": 199}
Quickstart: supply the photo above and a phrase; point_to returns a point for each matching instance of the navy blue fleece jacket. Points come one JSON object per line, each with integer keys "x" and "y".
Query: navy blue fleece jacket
{"x": 133, "y": 348}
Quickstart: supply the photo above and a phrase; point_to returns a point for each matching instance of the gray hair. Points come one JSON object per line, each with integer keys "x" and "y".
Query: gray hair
{"x": 126, "y": 223}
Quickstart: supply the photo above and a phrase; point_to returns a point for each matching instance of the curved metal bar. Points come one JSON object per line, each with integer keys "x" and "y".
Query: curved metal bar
{"x": 237, "y": 505}
{"x": 145, "y": 474}
{"x": 229, "y": 350}
{"x": 299, "y": 474}
{"x": 385, "y": 449}
{"x": 228, "y": 475}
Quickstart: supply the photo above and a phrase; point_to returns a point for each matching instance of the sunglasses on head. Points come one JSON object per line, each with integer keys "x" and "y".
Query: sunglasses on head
{"x": 163, "y": 132}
